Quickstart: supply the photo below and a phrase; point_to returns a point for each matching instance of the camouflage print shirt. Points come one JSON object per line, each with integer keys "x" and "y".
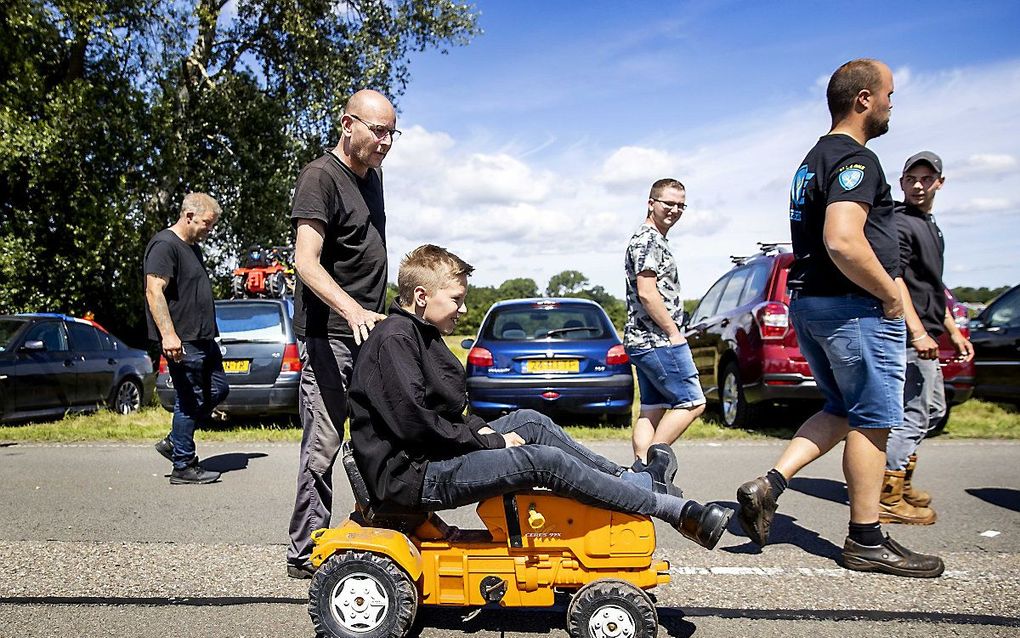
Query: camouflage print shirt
{"x": 648, "y": 250}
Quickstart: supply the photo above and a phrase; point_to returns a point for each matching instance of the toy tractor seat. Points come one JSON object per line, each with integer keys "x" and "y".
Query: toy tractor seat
{"x": 376, "y": 514}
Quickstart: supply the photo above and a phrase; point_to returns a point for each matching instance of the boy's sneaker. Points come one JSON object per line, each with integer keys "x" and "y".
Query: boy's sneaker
{"x": 757, "y": 507}
{"x": 193, "y": 474}
{"x": 891, "y": 558}
{"x": 166, "y": 448}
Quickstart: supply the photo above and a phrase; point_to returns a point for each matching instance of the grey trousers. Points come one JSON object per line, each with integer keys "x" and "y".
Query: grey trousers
{"x": 326, "y": 365}
{"x": 924, "y": 403}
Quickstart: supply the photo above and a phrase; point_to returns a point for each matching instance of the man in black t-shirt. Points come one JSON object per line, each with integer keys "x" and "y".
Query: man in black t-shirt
{"x": 340, "y": 259}
{"x": 848, "y": 315}
{"x": 181, "y": 317}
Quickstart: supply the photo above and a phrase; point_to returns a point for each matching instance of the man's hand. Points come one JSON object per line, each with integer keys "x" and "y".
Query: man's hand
{"x": 513, "y": 439}
{"x": 678, "y": 340}
{"x": 362, "y": 321}
{"x": 964, "y": 348}
{"x": 173, "y": 349}
{"x": 926, "y": 347}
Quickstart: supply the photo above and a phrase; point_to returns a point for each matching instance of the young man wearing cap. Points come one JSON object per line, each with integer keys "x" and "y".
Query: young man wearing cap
{"x": 928, "y": 316}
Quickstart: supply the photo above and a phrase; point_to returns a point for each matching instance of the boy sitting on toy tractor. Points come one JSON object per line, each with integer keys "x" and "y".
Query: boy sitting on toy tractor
{"x": 416, "y": 449}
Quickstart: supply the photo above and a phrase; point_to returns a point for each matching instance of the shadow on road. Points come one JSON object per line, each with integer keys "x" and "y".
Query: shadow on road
{"x": 785, "y": 531}
{"x": 823, "y": 488}
{"x": 505, "y": 621}
{"x": 229, "y": 462}
{"x": 1004, "y": 497}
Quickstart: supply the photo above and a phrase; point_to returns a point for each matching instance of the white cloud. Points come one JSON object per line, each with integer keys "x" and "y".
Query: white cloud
{"x": 537, "y": 212}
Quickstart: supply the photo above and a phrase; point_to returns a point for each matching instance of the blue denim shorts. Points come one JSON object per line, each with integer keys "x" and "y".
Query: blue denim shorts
{"x": 857, "y": 356}
{"x": 667, "y": 377}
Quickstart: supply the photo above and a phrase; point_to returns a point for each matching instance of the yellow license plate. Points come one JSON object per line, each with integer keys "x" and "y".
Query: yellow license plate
{"x": 552, "y": 365}
{"x": 236, "y": 366}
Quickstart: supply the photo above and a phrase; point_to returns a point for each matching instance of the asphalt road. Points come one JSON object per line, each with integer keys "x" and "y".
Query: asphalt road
{"x": 95, "y": 542}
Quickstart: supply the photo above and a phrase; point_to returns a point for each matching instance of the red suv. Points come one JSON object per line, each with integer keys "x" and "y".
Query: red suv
{"x": 746, "y": 351}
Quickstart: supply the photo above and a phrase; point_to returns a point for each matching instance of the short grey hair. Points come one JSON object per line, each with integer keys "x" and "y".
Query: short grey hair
{"x": 199, "y": 203}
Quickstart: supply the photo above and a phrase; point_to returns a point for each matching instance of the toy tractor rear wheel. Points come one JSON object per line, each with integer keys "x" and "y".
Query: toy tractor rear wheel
{"x": 361, "y": 594}
{"x": 611, "y": 609}
{"x": 277, "y": 284}
{"x": 237, "y": 286}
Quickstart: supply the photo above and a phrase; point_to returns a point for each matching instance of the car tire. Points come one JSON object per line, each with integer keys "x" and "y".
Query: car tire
{"x": 361, "y": 595}
{"x": 734, "y": 409}
{"x": 126, "y": 397}
{"x": 607, "y": 608}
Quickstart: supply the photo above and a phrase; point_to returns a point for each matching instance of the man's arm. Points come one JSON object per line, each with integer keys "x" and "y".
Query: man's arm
{"x": 920, "y": 340}
{"x": 648, "y": 295}
{"x": 311, "y": 234}
{"x": 964, "y": 349}
{"x": 850, "y": 251}
{"x": 169, "y": 341}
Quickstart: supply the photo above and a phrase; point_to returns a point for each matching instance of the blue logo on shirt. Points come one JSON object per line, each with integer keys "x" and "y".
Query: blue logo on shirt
{"x": 849, "y": 178}
{"x": 797, "y": 189}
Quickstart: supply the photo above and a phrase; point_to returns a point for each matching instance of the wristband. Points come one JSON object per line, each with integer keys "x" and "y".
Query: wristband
{"x": 916, "y": 339}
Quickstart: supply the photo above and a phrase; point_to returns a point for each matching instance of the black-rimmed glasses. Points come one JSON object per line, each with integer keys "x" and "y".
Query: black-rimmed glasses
{"x": 671, "y": 205}
{"x": 378, "y": 130}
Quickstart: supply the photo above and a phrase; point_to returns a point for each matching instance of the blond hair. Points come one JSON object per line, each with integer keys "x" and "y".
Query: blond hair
{"x": 430, "y": 267}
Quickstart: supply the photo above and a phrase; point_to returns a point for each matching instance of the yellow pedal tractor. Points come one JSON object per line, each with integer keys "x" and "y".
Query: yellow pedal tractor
{"x": 379, "y": 566}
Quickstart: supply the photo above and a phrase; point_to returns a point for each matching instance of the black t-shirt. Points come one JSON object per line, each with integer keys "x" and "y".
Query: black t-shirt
{"x": 188, "y": 293}
{"x": 921, "y": 256}
{"x": 354, "y": 248}
{"x": 838, "y": 169}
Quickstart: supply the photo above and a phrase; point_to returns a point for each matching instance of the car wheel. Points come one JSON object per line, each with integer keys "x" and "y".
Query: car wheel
{"x": 127, "y": 397}
{"x": 940, "y": 425}
{"x": 736, "y": 412}
{"x": 361, "y": 594}
{"x": 609, "y": 609}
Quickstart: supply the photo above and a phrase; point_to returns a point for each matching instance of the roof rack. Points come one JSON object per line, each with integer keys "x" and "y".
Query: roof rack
{"x": 740, "y": 260}
{"x": 776, "y": 246}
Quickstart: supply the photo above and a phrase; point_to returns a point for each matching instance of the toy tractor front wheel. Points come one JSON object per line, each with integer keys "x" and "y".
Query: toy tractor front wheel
{"x": 361, "y": 594}
{"x": 611, "y": 609}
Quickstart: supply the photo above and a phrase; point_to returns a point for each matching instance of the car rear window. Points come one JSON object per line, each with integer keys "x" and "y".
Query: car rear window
{"x": 541, "y": 321}
{"x": 250, "y": 321}
{"x": 8, "y": 328}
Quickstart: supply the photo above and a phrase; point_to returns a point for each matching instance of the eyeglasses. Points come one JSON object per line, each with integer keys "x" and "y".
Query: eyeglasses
{"x": 671, "y": 205}
{"x": 378, "y": 130}
{"x": 926, "y": 180}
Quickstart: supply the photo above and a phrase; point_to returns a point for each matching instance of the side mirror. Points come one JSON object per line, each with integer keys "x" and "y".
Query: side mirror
{"x": 33, "y": 346}
{"x": 977, "y": 325}
{"x": 467, "y": 343}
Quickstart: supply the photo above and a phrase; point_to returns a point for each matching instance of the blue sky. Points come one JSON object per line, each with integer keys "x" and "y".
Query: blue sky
{"x": 530, "y": 151}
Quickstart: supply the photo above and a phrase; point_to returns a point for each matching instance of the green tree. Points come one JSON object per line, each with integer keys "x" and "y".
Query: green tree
{"x": 519, "y": 288}
{"x": 565, "y": 284}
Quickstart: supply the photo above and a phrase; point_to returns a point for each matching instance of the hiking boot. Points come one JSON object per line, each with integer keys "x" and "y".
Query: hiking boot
{"x": 703, "y": 524}
{"x": 166, "y": 448}
{"x": 193, "y": 474}
{"x": 757, "y": 507}
{"x": 662, "y": 466}
{"x": 895, "y": 509}
{"x": 300, "y": 570}
{"x": 916, "y": 497}
{"x": 891, "y": 558}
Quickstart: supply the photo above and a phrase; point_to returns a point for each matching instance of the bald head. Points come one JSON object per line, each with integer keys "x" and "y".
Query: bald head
{"x": 846, "y": 84}
{"x": 371, "y": 105}
{"x": 368, "y": 128}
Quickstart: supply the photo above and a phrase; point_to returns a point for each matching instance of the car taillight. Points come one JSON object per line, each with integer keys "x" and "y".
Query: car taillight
{"x": 773, "y": 319}
{"x": 291, "y": 359}
{"x": 616, "y": 356}
{"x": 163, "y": 368}
{"x": 480, "y": 357}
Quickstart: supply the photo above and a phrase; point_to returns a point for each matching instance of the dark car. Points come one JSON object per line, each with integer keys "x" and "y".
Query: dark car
{"x": 558, "y": 356}
{"x": 995, "y": 334}
{"x": 746, "y": 351}
{"x": 260, "y": 358}
{"x": 53, "y": 364}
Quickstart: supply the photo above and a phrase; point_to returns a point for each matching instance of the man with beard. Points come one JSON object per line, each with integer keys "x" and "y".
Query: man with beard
{"x": 340, "y": 259}
{"x": 848, "y": 314}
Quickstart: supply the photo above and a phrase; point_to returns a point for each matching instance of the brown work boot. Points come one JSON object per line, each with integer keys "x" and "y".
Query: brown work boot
{"x": 893, "y": 507}
{"x": 916, "y": 497}
{"x": 757, "y": 507}
{"x": 891, "y": 558}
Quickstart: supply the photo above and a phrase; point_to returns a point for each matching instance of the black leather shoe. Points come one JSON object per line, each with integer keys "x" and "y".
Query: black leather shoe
{"x": 757, "y": 507}
{"x": 662, "y": 466}
{"x": 302, "y": 570}
{"x": 891, "y": 558}
{"x": 166, "y": 448}
{"x": 704, "y": 524}
{"x": 193, "y": 474}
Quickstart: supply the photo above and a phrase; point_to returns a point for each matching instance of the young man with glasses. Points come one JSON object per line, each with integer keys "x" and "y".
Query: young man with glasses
{"x": 652, "y": 337}
{"x": 340, "y": 259}
{"x": 928, "y": 317}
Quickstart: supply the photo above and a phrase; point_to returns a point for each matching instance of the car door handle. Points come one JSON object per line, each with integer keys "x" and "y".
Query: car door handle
{"x": 112, "y": 361}
{"x": 68, "y": 363}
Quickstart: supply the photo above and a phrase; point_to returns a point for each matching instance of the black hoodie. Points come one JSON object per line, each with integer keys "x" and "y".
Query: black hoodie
{"x": 407, "y": 401}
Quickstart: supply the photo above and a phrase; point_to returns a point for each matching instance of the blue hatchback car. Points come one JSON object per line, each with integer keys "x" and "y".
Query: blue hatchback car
{"x": 557, "y": 356}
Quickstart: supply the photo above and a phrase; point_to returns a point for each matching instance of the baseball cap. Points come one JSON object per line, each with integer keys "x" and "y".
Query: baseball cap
{"x": 924, "y": 156}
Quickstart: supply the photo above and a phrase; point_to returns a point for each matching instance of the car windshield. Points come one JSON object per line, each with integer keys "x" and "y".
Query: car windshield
{"x": 249, "y": 322}
{"x": 8, "y": 328}
{"x": 547, "y": 321}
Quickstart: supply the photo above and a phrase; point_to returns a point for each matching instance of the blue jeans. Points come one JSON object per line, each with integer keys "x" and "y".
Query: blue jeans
{"x": 201, "y": 385}
{"x": 550, "y": 459}
{"x": 667, "y": 377}
{"x": 857, "y": 357}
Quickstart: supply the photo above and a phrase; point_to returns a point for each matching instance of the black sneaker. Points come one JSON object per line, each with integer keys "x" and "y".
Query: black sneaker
{"x": 302, "y": 570}
{"x": 891, "y": 558}
{"x": 193, "y": 474}
{"x": 757, "y": 507}
{"x": 704, "y": 524}
{"x": 166, "y": 448}
{"x": 662, "y": 466}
